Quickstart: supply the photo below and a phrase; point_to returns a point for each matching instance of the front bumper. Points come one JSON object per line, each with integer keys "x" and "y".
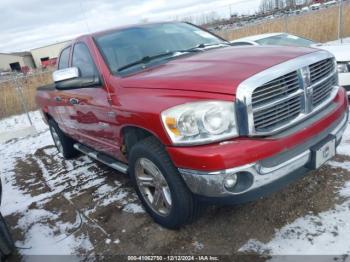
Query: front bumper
{"x": 266, "y": 174}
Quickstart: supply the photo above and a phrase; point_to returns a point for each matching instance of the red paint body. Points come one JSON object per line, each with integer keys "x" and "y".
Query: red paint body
{"x": 138, "y": 100}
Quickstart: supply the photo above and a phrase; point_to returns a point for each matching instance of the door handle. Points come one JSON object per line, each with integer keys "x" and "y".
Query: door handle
{"x": 58, "y": 99}
{"x": 74, "y": 101}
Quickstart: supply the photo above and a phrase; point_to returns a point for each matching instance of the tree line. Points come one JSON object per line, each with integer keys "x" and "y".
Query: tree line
{"x": 270, "y": 5}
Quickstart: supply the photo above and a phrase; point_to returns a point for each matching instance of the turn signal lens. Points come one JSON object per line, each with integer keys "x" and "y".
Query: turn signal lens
{"x": 171, "y": 124}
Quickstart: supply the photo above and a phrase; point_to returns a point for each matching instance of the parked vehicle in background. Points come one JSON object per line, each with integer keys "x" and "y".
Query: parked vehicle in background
{"x": 305, "y": 9}
{"x": 340, "y": 51}
{"x": 315, "y": 6}
{"x": 191, "y": 118}
{"x": 7, "y": 245}
{"x": 330, "y": 3}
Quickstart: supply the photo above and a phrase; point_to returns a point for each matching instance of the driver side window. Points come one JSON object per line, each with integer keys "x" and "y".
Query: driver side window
{"x": 83, "y": 61}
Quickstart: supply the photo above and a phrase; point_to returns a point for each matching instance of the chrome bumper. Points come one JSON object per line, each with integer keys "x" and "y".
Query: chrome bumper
{"x": 211, "y": 184}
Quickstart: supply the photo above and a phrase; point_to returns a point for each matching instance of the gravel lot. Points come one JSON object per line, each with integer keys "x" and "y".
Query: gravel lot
{"x": 83, "y": 208}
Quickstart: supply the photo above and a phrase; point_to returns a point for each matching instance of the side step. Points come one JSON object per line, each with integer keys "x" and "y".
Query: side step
{"x": 107, "y": 160}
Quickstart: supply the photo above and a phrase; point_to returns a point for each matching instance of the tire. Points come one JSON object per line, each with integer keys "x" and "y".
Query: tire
{"x": 7, "y": 245}
{"x": 63, "y": 143}
{"x": 184, "y": 208}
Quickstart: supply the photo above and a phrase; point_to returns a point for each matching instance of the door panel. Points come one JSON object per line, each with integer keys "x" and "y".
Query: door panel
{"x": 92, "y": 119}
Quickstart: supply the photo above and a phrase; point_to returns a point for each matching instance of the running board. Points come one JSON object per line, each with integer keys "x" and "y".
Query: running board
{"x": 107, "y": 160}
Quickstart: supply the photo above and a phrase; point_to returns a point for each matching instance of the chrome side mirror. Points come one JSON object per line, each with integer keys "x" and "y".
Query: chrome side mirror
{"x": 65, "y": 74}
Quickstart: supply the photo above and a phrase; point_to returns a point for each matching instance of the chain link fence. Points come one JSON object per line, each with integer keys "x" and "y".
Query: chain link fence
{"x": 328, "y": 23}
{"x": 17, "y": 92}
{"x": 323, "y": 25}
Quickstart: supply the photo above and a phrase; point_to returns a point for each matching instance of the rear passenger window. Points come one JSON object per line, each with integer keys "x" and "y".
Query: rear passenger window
{"x": 64, "y": 59}
{"x": 83, "y": 60}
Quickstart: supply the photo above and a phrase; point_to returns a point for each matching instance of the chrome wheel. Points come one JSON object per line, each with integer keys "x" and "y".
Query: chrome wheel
{"x": 153, "y": 186}
{"x": 56, "y": 139}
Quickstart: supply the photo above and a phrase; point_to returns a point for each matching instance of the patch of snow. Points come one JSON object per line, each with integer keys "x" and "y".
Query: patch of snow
{"x": 133, "y": 208}
{"x": 344, "y": 147}
{"x": 19, "y": 126}
{"x": 44, "y": 232}
{"x": 326, "y": 233}
{"x": 344, "y": 165}
{"x": 117, "y": 241}
{"x": 42, "y": 241}
{"x": 14, "y": 199}
{"x": 198, "y": 245}
{"x": 108, "y": 241}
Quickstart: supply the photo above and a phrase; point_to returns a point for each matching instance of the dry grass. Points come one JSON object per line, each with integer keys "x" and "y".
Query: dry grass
{"x": 320, "y": 26}
{"x": 10, "y": 103}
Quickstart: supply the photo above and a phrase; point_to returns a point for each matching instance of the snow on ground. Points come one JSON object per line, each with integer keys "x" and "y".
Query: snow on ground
{"x": 326, "y": 233}
{"x": 45, "y": 232}
{"x": 17, "y": 122}
{"x": 19, "y": 126}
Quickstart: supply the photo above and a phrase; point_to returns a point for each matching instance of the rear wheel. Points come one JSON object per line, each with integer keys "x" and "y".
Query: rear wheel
{"x": 63, "y": 143}
{"x": 159, "y": 186}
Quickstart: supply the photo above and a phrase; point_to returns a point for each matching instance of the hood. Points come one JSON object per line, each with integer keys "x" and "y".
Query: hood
{"x": 340, "y": 51}
{"x": 217, "y": 71}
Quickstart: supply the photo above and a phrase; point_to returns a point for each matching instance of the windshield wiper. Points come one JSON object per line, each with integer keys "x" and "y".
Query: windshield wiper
{"x": 143, "y": 60}
{"x": 147, "y": 59}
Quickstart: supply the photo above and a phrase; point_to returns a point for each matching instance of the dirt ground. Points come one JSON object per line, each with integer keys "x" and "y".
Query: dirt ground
{"x": 111, "y": 231}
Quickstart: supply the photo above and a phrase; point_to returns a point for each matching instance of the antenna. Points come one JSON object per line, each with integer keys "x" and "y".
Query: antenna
{"x": 94, "y": 49}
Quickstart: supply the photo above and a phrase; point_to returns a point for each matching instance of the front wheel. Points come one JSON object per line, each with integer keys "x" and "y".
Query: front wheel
{"x": 159, "y": 186}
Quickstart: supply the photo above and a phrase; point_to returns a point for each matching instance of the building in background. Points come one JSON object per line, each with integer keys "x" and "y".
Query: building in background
{"x": 20, "y": 61}
{"x": 46, "y": 56}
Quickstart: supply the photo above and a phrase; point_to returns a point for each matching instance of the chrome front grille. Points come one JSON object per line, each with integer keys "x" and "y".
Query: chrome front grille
{"x": 276, "y": 89}
{"x": 287, "y": 93}
{"x": 322, "y": 91}
{"x": 321, "y": 69}
{"x": 280, "y": 114}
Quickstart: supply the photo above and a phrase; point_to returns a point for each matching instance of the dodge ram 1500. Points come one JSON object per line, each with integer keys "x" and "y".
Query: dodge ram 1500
{"x": 191, "y": 118}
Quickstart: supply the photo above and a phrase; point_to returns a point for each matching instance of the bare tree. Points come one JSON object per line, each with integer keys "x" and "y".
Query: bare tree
{"x": 271, "y": 5}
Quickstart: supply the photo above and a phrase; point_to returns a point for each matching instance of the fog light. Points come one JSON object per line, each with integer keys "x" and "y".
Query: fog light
{"x": 230, "y": 181}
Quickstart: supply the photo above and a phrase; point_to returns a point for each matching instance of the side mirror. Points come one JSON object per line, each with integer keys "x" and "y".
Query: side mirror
{"x": 69, "y": 78}
{"x": 65, "y": 74}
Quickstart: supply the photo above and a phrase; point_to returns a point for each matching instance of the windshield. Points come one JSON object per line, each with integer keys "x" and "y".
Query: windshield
{"x": 286, "y": 40}
{"x": 127, "y": 46}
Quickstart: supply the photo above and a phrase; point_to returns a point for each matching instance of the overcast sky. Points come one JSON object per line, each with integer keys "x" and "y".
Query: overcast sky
{"x": 27, "y": 24}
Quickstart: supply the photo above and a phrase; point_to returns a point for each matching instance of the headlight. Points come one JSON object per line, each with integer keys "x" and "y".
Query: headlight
{"x": 343, "y": 67}
{"x": 200, "y": 122}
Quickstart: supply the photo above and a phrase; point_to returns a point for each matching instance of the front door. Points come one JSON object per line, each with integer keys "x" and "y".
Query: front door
{"x": 91, "y": 115}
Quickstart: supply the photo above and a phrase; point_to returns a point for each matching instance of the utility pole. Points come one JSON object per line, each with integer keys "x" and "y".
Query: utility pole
{"x": 340, "y": 26}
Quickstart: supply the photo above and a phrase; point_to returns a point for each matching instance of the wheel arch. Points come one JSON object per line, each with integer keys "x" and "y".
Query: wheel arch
{"x": 130, "y": 135}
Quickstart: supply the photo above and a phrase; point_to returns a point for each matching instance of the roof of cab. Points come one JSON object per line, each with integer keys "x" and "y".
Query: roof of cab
{"x": 110, "y": 30}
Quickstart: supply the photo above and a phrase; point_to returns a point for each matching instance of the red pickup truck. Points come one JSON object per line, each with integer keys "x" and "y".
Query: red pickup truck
{"x": 192, "y": 119}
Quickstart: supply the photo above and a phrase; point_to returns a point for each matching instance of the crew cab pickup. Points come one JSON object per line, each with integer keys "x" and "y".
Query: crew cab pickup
{"x": 192, "y": 119}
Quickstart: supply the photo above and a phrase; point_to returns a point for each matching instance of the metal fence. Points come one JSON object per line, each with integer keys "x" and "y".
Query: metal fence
{"x": 224, "y": 18}
{"x": 17, "y": 92}
{"x": 322, "y": 25}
